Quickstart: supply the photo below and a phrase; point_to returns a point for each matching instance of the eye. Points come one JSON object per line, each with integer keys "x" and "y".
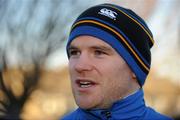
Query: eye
{"x": 73, "y": 52}
{"x": 99, "y": 52}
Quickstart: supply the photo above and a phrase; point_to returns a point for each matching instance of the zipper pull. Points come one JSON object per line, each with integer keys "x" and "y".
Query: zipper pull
{"x": 107, "y": 114}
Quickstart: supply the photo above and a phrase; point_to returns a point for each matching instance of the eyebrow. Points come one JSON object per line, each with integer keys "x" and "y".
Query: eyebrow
{"x": 72, "y": 47}
{"x": 97, "y": 47}
{"x": 100, "y": 47}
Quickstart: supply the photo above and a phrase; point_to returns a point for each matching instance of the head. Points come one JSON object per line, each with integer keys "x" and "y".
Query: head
{"x": 109, "y": 55}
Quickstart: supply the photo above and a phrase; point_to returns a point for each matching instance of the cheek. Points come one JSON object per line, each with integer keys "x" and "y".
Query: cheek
{"x": 71, "y": 67}
{"x": 70, "y": 64}
{"x": 115, "y": 76}
{"x": 110, "y": 70}
{"x": 110, "y": 75}
{"x": 71, "y": 74}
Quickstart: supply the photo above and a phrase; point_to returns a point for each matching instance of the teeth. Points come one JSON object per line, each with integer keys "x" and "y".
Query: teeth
{"x": 84, "y": 82}
{"x": 85, "y": 86}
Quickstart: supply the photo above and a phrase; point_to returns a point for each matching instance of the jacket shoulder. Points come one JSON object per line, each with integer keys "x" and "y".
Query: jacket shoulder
{"x": 153, "y": 115}
{"x": 75, "y": 115}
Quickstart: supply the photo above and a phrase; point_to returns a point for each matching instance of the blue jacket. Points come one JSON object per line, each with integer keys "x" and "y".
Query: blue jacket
{"x": 130, "y": 108}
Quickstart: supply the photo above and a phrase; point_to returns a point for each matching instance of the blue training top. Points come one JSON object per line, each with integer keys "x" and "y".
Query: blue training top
{"x": 130, "y": 108}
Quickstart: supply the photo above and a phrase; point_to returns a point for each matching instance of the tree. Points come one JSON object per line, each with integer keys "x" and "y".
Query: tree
{"x": 30, "y": 32}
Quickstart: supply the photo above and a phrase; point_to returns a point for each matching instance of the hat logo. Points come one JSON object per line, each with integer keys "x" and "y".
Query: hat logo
{"x": 109, "y": 13}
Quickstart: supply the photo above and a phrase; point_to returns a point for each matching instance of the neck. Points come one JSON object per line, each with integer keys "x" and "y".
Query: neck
{"x": 133, "y": 88}
{"x": 130, "y": 106}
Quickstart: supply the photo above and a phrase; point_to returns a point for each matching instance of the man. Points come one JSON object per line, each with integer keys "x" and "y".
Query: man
{"x": 109, "y": 60}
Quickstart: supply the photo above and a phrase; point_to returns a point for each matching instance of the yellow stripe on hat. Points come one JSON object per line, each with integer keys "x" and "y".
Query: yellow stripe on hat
{"x": 119, "y": 35}
{"x": 152, "y": 40}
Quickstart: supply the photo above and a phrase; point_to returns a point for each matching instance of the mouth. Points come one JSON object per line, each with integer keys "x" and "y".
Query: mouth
{"x": 84, "y": 83}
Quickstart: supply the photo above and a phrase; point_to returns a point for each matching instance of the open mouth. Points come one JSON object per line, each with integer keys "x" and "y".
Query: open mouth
{"x": 85, "y": 83}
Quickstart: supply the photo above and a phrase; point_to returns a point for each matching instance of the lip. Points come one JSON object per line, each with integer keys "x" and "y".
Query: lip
{"x": 85, "y": 89}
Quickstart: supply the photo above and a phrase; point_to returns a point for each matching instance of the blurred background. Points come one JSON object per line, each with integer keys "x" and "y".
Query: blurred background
{"x": 34, "y": 80}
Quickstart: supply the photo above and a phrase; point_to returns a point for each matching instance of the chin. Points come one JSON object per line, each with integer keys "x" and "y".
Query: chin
{"x": 86, "y": 101}
{"x": 84, "y": 104}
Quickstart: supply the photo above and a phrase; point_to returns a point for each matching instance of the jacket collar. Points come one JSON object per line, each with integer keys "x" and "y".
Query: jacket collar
{"x": 131, "y": 106}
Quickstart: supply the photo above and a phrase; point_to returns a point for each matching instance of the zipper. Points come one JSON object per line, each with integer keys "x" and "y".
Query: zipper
{"x": 106, "y": 114}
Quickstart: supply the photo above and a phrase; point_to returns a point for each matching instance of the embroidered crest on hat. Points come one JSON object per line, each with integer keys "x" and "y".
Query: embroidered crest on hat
{"x": 109, "y": 13}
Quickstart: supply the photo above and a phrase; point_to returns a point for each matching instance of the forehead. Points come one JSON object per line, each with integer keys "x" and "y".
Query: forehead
{"x": 89, "y": 41}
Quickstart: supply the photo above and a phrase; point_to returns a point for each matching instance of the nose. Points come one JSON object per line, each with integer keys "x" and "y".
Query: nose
{"x": 83, "y": 63}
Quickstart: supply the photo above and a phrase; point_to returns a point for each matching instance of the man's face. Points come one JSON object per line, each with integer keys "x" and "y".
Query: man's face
{"x": 99, "y": 76}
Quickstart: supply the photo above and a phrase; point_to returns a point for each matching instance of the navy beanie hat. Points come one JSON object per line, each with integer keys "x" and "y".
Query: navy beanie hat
{"x": 122, "y": 29}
